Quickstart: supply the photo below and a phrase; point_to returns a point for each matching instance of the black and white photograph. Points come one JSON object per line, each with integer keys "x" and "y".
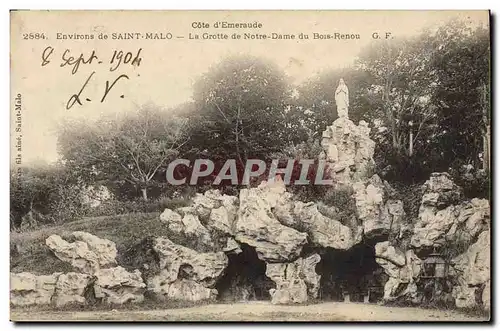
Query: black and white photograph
{"x": 250, "y": 166}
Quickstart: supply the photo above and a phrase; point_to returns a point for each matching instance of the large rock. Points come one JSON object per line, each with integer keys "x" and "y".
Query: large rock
{"x": 296, "y": 281}
{"x": 105, "y": 249}
{"x": 438, "y": 216}
{"x": 284, "y": 211}
{"x": 70, "y": 289}
{"x": 430, "y": 230}
{"x": 377, "y": 216}
{"x": 209, "y": 218}
{"x": 317, "y": 220}
{"x": 187, "y": 290}
{"x": 27, "y": 289}
{"x": 58, "y": 289}
{"x": 188, "y": 225}
{"x": 222, "y": 219}
{"x": 473, "y": 218}
{"x": 172, "y": 220}
{"x": 369, "y": 201}
{"x": 87, "y": 253}
{"x": 390, "y": 258}
{"x": 394, "y": 215}
{"x": 443, "y": 219}
{"x": 258, "y": 227}
{"x": 232, "y": 247}
{"x": 348, "y": 151}
{"x": 203, "y": 204}
{"x": 94, "y": 196}
{"x": 179, "y": 263}
{"x": 118, "y": 286}
{"x": 403, "y": 268}
{"x": 440, "y": 191}
{"x": 323, "y": 231}
{"x": 193, "y": 227}
{"x": 472, "y": 271}
{"x": 229, "y": 202}
{"x": 206, "y": 268}
{"x": 208, "y": 199}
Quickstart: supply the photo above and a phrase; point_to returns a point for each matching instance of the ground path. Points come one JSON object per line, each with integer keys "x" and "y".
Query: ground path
{"x": 254, "y": 311}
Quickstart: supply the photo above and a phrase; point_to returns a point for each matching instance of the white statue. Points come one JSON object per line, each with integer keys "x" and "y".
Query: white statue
{"x": 342, "y": 99}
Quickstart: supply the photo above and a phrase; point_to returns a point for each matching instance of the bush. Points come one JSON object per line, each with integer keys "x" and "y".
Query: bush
{"x": 411, "y": 195}
{"x": 476, "y": 183}
{"x": 43, "y": 194}
{"x": 342, "y": 198}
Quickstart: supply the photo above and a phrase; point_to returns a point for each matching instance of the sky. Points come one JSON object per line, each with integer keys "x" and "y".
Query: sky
{"x": 168, "y": 68}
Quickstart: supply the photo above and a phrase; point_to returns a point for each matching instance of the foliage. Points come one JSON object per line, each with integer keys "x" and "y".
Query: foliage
{"x": 342, "y": 198}
{"x": 402, "y": 82}
{"x": 426, "y": 99}
{"x": 241, "y": 106}
{"x": 41, "y": 194}
{"x": 411, "y": 195}
{"x": 463, "y": 69}
{"x": 307, "y": 150}
{"x": 476, "y": 183}
{"x": 133, "y": 149}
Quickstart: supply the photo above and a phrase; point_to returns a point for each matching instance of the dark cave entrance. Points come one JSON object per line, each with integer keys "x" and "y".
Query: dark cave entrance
{"x": 351, "y": 275}
{"x": 244, "y": 278}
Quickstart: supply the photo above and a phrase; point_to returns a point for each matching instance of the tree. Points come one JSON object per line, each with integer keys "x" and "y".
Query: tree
{"x": 130, "y": 149}
{"x": 428, "y": 96}
{"x": 403, "y": 79}
{"x": 241, "y": 110}
{"x": 462, "y": 94}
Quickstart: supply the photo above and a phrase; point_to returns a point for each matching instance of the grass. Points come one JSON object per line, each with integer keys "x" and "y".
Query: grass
{"x": 32, "y": 255}
{"x": 127, "y": 230}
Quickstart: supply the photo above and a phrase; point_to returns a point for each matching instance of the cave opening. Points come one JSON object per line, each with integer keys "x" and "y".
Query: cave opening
{"x": 245, "y": 278}
{"x": 351, "y": 275}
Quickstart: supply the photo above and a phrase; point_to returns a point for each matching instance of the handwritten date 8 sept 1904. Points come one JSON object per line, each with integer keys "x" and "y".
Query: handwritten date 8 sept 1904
{"x": 67, "y": 59}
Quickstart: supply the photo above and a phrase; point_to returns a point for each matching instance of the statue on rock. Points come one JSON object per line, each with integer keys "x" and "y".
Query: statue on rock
{"x": 342, "y": 99}
{"x": 347, "y": 147}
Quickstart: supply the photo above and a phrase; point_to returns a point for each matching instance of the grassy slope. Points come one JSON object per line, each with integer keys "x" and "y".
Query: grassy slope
{"x": 125, "y": 230}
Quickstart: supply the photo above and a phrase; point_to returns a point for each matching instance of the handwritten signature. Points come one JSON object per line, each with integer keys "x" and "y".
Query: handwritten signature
{"x": 118, "y": 59}
{"x": 75, "y": 98}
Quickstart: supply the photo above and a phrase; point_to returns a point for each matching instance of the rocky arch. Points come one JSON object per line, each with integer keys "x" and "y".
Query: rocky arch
{"x": 244, "y": 278}
{"x": 350, "y": 274}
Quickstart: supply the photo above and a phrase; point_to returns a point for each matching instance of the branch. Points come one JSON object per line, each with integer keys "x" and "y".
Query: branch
{"x": 136, "y": 161}
{"x": 421, "y": 125}
{"x": 222, "y": 113}
{"x": 150, "y": 173}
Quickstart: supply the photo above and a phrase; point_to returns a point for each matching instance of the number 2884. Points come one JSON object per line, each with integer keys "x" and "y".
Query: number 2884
{"x": 29, "y": 36}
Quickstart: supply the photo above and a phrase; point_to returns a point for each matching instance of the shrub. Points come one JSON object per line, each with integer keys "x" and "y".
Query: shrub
{"x": 411, "y": 195}
{"x": 476, "y": 183}
{"x": 342, "y": 198}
